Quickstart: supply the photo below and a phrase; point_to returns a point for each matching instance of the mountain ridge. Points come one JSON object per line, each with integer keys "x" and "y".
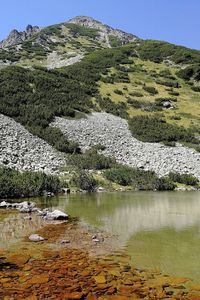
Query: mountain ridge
{"x": 16, "y": 37}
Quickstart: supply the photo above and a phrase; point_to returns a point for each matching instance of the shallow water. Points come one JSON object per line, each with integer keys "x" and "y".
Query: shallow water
{"x": 160, "y": 230}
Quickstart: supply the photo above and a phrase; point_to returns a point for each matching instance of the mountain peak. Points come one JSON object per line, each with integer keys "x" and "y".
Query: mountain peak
{"x": 105, "y": 31}
{"x": 84, "y": 21}
{"x": 16, "y": 37}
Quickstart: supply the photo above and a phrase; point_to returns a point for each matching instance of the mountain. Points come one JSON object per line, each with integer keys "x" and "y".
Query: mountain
{"x": 68, "y": 70}
{"x": 61, "y": 44}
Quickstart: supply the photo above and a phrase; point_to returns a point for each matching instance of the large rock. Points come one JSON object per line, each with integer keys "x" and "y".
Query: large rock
{"x": 56, "y": 215}
{"x": 27, "y": 207}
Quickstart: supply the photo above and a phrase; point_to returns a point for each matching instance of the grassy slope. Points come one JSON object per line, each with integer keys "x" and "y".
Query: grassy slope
{"x": 187, "y": 106}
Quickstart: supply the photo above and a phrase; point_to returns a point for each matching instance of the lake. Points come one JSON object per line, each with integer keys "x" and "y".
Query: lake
{"x": 159, "y": 230}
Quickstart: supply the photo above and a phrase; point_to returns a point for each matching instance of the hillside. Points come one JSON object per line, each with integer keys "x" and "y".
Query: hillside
{"x": 61, "y": 44}
{"x": 83, "y": 66}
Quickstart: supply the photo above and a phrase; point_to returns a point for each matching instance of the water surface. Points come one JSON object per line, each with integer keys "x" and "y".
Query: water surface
{"x": 160, "y": 230}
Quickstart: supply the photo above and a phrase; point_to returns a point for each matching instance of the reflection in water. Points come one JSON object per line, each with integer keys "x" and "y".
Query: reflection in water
{"x": 159, "y": 230}
{"x": 17, "y": 226}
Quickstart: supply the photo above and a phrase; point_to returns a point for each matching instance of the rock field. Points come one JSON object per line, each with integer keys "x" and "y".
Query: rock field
{"x": 113, "y": 132}
{"x": 23, "y": 151}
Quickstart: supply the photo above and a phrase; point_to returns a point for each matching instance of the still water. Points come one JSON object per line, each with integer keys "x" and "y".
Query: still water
{"x": 159, "y": 230}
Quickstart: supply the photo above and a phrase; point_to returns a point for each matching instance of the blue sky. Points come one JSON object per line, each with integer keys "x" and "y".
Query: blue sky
{"x": 175, "y": 21}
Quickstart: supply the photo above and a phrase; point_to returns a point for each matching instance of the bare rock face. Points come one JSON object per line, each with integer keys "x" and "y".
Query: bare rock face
{"x": 104, "y": 30}
{"x": 15, "y": 37}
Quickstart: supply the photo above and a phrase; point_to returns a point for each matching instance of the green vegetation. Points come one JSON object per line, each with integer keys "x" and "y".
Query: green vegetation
{"x": 53, "y": 30}
{"x": 117, "y": 109}
{"x": 158, "y": 51}
{"x": 114, "y": 41}
{"x": 156, "y": 129}
{"x": 9, "y": 56}
{"x": 91, "y": 160}
{"x": 139, "y": 179}
{"x": 190, "y": 72}
{"x": 150, "y": 89}
{"x": 187, "y": 179}
{"x": 82, "y": 31}
{"x": 34, "y": 49}
{"x": 33, "y": 98}
{"x": 14, "y": 184}
{"x": 85, "y": 181}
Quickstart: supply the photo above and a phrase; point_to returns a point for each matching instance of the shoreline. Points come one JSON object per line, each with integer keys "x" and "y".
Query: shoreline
{"x": 82, "y": 269}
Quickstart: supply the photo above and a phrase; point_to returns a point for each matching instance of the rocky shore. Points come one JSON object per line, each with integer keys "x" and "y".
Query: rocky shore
{"x": 114, "y": 134}
{"x": 25, "y": 152}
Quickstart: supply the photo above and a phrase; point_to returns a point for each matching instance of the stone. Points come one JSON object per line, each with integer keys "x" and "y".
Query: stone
{"x": 38, "y": 279}
{"x": 65, "y": 242}
{"x": 56, "y": 215}
{"x": 26, "y": 207}
{"x": 96, "y": 240}
{"x": 3, "y": 204}
{"x": 100, "y": 279}
{"x": 36, "y": 238}
{"x": 16, "y": 259}
{"x": 74, "y": 296}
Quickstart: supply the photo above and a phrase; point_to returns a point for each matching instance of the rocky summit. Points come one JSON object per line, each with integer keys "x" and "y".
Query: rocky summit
{"x": 15, "y": 37}
{"x": 104, "y": 30}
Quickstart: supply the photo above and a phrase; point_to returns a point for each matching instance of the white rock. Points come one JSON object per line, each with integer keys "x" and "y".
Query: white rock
{"x": 26, "y": 207}
{"x": 56, "y": 215}
{"x": 36, "y": 238}
{"x": 3, "y": 204}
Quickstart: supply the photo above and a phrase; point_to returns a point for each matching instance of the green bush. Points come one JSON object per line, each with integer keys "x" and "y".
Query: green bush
{"x": 174, "y": 93}
{"x": 155, "y": 129}
{"x": 82, "y": 30}
{"x": 91, "y": 160}
{"x": 114, "y": 41}
{"x": 186, "y": 73}
{"x": 144, "y": 105}
{"x": 158, "y": 51}
{"x": 196, "y": 88}
{"x": 117, "y": 109}
{"x": 118, "y": 92}
{"x": 187, "y": 179}
{"x": 14, "y": 184}
{"x": 136, "y": 94}
{"x": 151, "y": 90}
{"x": 85, "y": 181}
{"x": 139, "y": 179}
{"x": 168, "y": 83}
